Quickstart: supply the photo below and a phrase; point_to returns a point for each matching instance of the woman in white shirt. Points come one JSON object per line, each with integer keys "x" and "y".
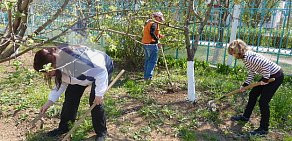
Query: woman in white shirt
{"x": 74, "y": 68}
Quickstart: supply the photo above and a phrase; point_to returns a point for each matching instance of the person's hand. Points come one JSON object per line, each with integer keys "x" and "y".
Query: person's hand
{"x": 263, "y": 83}
{"x": 46, "y": 106}
{"x": 161, "y": 36}
{"x": 242, "y": 89}
{"x": 98, "y": 100}
{"x": 159, "y": 45}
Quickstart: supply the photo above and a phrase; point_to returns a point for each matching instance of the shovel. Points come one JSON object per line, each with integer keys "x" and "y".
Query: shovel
{"x": 212, "y": 103}
{"x": 168, "y": 74}
{"x": 89, "y": 110}
{"x": 35, "y": 120}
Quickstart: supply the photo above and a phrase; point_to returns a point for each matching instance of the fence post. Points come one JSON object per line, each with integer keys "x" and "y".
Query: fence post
{"x": 176, "y": 53}
{"x": 285, "y": 14}
{"x": 234, "y": 26}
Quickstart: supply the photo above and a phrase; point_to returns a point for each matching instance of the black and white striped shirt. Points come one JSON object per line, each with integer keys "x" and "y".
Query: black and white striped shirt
{"x": 258, "y": 64}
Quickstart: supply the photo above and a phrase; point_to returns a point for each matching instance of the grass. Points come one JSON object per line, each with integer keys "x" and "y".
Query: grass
{"x": 187, "y": 135}
{"x": 132, "y": 106}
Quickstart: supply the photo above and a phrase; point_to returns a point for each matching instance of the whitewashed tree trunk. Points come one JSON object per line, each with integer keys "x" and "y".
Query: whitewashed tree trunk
{"x": 191, "y": 81}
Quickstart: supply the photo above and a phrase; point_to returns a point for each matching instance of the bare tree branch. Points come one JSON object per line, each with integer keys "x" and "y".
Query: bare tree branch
{"x": 12, "y": 47}
{"x": 6, "y": 56}
{"x": 13, "y": 57}
{"x": 168, "y": 25}
{"x": 22, "y": 6}
{"x": 195, "y": 12}
{"x": 10, "y": 21}
{"x": 201, "y": 27}
{"x": 7, "y": 40}
{"x": 55, "y": 16}
{"x": 190, "y": 53}
{"x": 17, "y": 19}
{"x": 8, "y": 35}
{"x": 31, "y": 48}
{"x": 114, "y": 31}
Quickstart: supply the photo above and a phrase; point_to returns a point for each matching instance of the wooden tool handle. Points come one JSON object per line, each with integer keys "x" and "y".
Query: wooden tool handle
{"x": 246, "y": 88}
{"x": 167, "y": 70}
{"x": 91, "y": 107}
{"x": 257, "y": 84}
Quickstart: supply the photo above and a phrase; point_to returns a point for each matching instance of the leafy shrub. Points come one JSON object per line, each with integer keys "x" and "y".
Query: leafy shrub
{"x": 22, "y": 75}
{"x": 281, "y": 105}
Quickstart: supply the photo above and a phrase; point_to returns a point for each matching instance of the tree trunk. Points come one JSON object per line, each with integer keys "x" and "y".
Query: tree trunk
{"x": 191, "y": 50}
{"x": 17, "y": 28}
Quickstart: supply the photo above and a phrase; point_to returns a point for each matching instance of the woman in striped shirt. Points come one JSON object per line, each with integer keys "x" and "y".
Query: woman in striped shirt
{"x": 257, "y": 64}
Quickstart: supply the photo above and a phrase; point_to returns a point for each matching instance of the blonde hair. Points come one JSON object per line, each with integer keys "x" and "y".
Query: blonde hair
{"x": 237, "y": 47}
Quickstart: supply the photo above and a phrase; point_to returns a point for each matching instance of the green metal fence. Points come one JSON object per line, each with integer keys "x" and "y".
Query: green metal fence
{"x": 269, "y": 36}
{"x": 266, "y": 30}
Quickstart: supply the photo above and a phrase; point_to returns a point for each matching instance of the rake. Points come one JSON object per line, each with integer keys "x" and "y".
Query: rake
{"x": 89, "y": 110}
{"x": 212, "y": 103}
{"x": 35, "y": 120}
{"x": 168, "y": 74}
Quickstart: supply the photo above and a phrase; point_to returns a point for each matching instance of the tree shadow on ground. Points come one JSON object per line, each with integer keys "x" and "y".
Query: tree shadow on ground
{"x": 92, "y": 138}
{"x": 40, "y": 136}
{"x": 237, "y": 133}
{"x": 109, "y": 136}
{"x": 133, "y": 109}
{"x": 209, "y": 135}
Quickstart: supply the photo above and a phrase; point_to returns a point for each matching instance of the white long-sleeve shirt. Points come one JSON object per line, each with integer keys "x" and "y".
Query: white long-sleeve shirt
{"x": 82, "y": 66}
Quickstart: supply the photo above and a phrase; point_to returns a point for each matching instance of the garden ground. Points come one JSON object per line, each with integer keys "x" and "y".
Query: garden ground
{"x": 136, "y": 110}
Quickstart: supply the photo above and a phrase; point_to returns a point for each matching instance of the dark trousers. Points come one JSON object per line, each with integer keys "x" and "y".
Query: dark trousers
{"x": 266, "y": 92}
{"x": 73, "y": 95}
{"x": 70, "y": 107}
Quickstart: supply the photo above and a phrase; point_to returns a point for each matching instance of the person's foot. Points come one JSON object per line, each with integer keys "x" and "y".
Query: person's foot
{"x": 259, "y": 132}
{"x": 147, "y": 79}
{"x": 57, "y": 132}
{"x": 239, "y": 118}
{"x": 101, "y": 138}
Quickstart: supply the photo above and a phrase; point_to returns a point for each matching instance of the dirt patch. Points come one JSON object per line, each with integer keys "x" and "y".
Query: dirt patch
{"x": 9, "y": 132}
{"x": 131, "y": 125}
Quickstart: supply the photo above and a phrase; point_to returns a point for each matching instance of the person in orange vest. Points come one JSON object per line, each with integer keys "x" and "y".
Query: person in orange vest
{"x": 150, "y": 42}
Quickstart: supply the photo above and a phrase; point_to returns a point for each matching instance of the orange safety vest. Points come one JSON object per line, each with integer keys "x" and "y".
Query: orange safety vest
{"x": 147, "y": 38}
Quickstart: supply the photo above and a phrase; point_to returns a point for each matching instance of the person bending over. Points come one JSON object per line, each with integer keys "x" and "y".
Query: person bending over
{"x": 257, "y": 64}
{"x": 74, "y": 68}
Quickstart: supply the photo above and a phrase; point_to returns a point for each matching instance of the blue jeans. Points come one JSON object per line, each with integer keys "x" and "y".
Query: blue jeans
{"x": 151, "y": 57}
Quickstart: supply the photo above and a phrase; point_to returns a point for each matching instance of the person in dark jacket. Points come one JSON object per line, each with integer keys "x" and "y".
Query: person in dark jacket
{"x": 74, "y": 68}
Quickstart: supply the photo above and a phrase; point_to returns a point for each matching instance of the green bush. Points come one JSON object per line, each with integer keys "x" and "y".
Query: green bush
{"x": 281, "y": 105}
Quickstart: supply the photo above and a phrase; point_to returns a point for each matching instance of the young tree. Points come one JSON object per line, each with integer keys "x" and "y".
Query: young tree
{"x": 14, "y": 34}
{"x": 192, "y": 48}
